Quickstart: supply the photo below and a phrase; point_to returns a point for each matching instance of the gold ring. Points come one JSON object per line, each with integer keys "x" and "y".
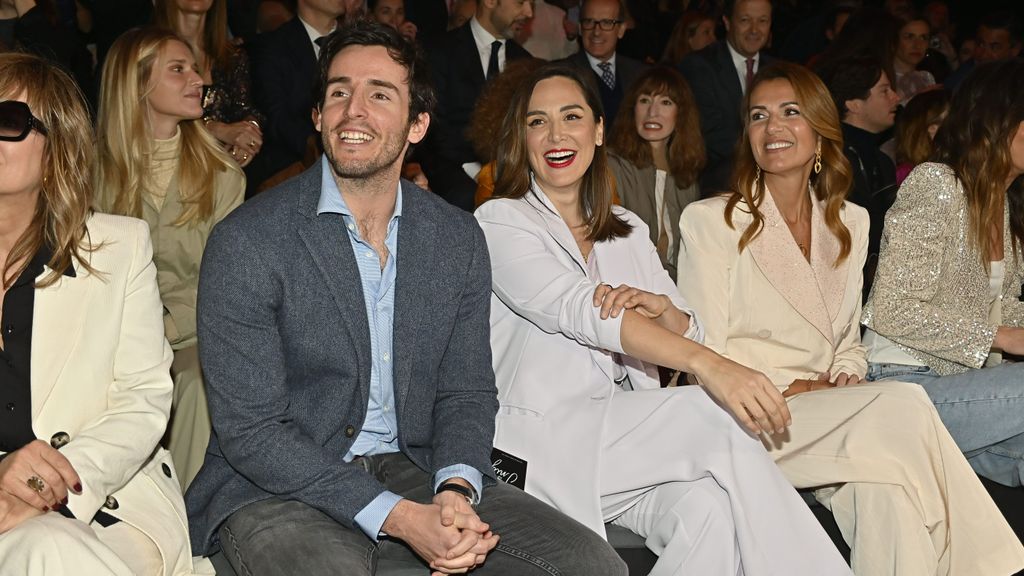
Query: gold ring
{"x": 36, "y": 483}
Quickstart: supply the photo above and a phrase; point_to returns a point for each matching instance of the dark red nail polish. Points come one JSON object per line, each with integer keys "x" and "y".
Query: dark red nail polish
{"x": 78, "y": 487}
{"x": 65, "y": 500}
{"x": 46, "y": 508}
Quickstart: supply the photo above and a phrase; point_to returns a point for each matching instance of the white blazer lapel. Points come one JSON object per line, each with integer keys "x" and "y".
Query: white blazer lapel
{"x": 825, "y": 248}
{"x": 57, "y": 321}
{"x": 784, "y": 266}
{"x": 555, "y": 225}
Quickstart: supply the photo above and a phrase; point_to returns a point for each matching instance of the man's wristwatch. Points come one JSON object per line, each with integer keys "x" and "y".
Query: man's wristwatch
{"x": 468, "y": 493}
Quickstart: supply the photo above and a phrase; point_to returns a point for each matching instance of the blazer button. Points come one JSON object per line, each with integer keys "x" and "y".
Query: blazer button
{"x": 166, "y": 469}
{"x": 111, "y": 503}
{"x": 764, "y": 334}
{"x": 59, "y": 440}
{"x": 350, "y": 431}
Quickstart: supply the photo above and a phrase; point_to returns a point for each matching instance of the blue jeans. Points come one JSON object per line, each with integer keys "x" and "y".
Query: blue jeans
{"x": 983, "y": 409}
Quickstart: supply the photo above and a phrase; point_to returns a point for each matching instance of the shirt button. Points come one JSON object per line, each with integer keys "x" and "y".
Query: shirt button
{"x": 9, "y": 329}
{"x": 387, "y": 408}
{"x": 10, "y": 406}
{"x": 387, "y": 357}
{"x": 351, "y": 226}
{"x": 369, "y": 254}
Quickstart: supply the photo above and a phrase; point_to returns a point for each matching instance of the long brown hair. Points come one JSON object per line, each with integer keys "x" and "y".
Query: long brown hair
{"x": 125, "y": 136}
{"x": 913, "y": 145}
{"x": 686, "y": 155}
{"x": 513, "y": 173}
{"x": 215, "y": 30}
{"x": 66, "y": 192}
{"x": 974, "y": 140}
{"x": 830, "y": 185}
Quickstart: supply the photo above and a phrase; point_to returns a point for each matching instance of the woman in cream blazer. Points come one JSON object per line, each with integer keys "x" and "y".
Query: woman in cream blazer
{"x": 784, "y": 300}
{"x": 181, "y": 185}
{"x": 84, "y": 488}
{"x": 601, "y": 440}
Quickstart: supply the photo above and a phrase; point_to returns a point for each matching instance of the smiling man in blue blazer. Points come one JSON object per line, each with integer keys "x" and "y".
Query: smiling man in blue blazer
{"x": 344, "y": 334}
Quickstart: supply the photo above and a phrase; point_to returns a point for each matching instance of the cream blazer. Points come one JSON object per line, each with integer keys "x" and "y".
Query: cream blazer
{"x": 813, "y": 308}
{"x": 100, "y": 379}
{"x": 552, "y": 353}
{"x": 931, "y": 291}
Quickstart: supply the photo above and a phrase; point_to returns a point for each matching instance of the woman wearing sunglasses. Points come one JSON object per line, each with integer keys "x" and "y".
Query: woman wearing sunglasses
{"x": 158, "y": 163}
{"x": 85, "y": 395}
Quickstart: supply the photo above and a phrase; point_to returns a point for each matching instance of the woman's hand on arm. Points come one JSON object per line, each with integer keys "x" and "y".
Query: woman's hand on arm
{"x": 37, "y": 459}
{"x": 747, "y": 394}
{"x": 242, "y": 139}
{"x": 657, "y": 307}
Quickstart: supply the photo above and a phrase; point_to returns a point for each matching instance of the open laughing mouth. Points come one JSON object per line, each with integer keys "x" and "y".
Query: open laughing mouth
{"x": 559, "y": 158}
{"x": 778, "y": 145}
{"x": 652, "y": 126}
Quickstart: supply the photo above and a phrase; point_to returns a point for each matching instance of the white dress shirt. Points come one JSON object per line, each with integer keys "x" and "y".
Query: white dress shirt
{"x": 597, "y": 69}
{"x": 484, "y": 39}
{"x": 740, "y": 62}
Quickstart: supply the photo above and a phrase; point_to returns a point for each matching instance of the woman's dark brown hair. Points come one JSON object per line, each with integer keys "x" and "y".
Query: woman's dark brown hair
{"x": 984, "y": 115}
{"x": 830, "y": 185}
{"x": 686, "y": 155}
{"x": 913, "y": 144}
{"x": 514, "y": 174}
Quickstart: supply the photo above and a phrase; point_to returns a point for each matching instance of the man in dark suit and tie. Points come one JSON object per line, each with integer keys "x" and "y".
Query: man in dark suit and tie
{"x": 461, "y": 62}
{"x": 283, "y": 70}
{"x": 602, "y": 24}
{"x": 344, "y": 334}
{"x": 718, "y": 76}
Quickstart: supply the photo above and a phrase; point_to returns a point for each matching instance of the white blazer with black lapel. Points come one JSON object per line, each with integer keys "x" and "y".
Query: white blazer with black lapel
{"x": 768, "y": 307}
{"x": 101, "y": 376}
{"x": 285, "y": 345}
{"x": 553, "y": 353}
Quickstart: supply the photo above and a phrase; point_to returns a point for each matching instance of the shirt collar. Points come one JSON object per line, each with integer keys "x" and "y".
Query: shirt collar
{"x": 313, "y": 34}
{"x": 739, "y": 60}
{"x": 594, "y": 62}
{"x": 37, "y": 265}
{"x": 331, "y": 200}
{"x": 483, "y": 38}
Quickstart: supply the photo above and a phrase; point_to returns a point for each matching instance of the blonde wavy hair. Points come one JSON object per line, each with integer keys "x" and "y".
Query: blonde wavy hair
{"x": 66, "y": 190}
{"x": 125, "y": 137}
{"x": 830, "y": 186}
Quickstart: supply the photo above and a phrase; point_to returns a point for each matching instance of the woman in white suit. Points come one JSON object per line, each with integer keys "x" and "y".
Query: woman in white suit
{"x": 86, "y": 388}
{"x": 775, "y": 272}
{"x": 575, "y": 362}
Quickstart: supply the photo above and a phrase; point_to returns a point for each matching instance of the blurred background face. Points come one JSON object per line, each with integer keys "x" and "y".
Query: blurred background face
{"x": 913, "y": 43}
{"x": 390, "y": 12}
{"x": 597, "y": 41}
{"x": 749, "y": 26}
{"x": 993, "y": 44}
{"x": 462, "y": 11}
{"x": 878, "y": 111}
{"x": 655, "y": 116}
{"x": 703, "y": 35}
{"x": 509, "y": 16}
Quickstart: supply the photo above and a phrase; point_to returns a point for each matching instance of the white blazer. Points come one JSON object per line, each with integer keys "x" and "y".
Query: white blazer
{"x": 768, "y": 282}
{"x": 552, "y": 352}
{"x": 100, "y": 374}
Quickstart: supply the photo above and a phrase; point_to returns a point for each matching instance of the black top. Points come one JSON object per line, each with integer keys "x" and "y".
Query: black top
{"x": 874, "y": 188}
{"x": 16, "y": 356}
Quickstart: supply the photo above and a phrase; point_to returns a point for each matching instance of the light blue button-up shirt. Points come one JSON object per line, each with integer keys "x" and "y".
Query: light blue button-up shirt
{"x": 379, "y": 433}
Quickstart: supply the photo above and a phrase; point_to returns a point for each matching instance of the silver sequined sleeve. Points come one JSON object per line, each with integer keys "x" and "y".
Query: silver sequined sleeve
{"x": 929, "y": 294}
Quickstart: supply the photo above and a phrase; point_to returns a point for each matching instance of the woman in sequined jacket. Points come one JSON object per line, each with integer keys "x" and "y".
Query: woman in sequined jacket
{"x": 946, "y": 304}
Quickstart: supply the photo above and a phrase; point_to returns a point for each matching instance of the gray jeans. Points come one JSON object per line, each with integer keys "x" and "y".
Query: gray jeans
{"x": 275, "y": 536}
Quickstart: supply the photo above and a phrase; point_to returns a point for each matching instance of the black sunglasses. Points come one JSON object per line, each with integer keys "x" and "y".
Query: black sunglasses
{"x": 16, "y": 121}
